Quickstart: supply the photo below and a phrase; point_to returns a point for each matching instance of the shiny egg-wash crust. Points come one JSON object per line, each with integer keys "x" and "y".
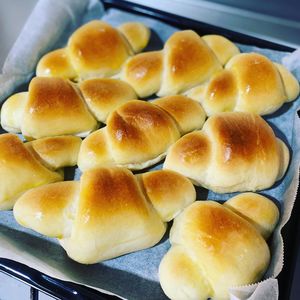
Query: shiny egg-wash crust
{"x": 138, "y": 133}
{"x": 234, "y": 152}
{"x": 27, "y": 165}
{"x": 109, "y": 212}
{"x": 95, "y": 49}
{"x": 56, "y": 106}
{"x": 215, "y": 247}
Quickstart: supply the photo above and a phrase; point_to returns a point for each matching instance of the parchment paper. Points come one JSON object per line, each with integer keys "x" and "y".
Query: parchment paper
{"x": 132, "y": 276}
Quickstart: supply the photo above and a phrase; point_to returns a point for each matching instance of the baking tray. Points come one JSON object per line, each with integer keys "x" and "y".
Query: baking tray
{"x": 67, "y": 290}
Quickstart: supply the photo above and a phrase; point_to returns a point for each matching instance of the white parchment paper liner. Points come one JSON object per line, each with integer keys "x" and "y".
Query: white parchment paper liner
{"x": 132, "y": 276}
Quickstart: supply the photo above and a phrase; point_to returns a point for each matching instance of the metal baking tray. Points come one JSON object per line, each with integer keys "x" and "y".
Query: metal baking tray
{"x": 291, "y": 233}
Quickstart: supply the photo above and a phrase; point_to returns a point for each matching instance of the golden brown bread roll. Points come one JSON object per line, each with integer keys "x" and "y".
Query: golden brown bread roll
{"x": 263, "y": 215}
{"x": 233, "y": 152}
{"x": 168, "y": 192}
{"x": 25, "y": 166}
{"x": 96, "y": 49}
{"x": 105, "y": 95}
{"x": 108, "y": 213}
{"x": 139, "y": 133}
{"x": 55, "y": 106}
{"x": 185, "y": 61}
{"x": 137, "y": 34}
{"x": 214, "y": 249}
{"x": 223, "y": 48}
{"x": 250, "y": 82}
{"x": 56, "y": 152}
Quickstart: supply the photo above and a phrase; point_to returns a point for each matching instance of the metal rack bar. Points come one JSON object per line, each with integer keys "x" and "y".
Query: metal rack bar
{"x": 34, "y": 293}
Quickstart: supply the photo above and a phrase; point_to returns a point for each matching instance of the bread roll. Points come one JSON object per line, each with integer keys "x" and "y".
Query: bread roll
{"x": 233, "y": 152}
{"x": 96, "y": 49}
{"x": 251, "y": 83}
{"x": 137, "y": 34}
{"x": 56, "y": 152}
{"x": 213, "y": 249}
{"x": 25, "y": 166}
{"x": 55, "y": 106}
{"x": 103, "y": 96}
{"x": 186, "y": 60}
{"x": 108, "y": 213}
{"x": 168, "y": 192}
{"x": 263, "y": 215}
{"x": 139, "y": 133}
{"x": 221, "y": 46}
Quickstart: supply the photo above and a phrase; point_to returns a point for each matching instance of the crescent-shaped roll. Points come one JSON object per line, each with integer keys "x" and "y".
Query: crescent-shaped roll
{"x": 233, "y": 152}
{"x": 250, "y": 82}
{"x": 214, "y": 248}
{"x": 110, "y": 212}
{"x": 96, "y": 49}
{"x": 139, "y": 133}
{"x": 27, "y": 165}
{"x": 55, "y": 106}
{"x": 186, "y": 60}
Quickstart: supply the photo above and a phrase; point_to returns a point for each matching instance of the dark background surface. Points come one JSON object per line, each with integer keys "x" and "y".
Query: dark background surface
{"x": 287, "y": 9}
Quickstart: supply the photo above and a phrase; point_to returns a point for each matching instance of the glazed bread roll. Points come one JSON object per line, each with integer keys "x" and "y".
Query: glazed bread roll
{"x": 250, "y": 82}
{"x": 96, "y": 49}
{"x": 56, "y": 152}
{"x": 185, "y": 61}
{"x": 110, "y": 212}
{"x": 55, "y": 106}
{"x": 139, "y": 133}
{"x": 215, "y": 248}
{"x": 262, "y": 214}
{"x": 25, "y": 166}
{"x": 234, "y": 152}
